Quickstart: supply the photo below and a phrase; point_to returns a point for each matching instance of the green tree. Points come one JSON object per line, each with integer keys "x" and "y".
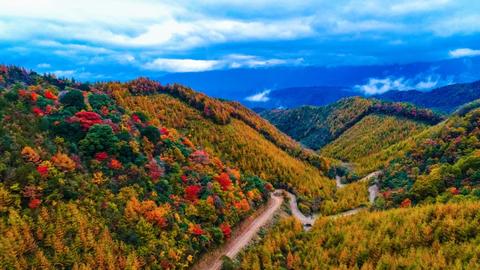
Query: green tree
{"x": 100, "y": 138}
{"x": 152, "y": 134}
{"x": 73, "y": 98}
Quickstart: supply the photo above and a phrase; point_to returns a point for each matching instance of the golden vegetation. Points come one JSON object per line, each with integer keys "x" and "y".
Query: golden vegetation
{"x": 235, "y": 142}
{"x": 429, "y": 237}
{"x": 371, "y": 135}
{"x": 346, "y": 198}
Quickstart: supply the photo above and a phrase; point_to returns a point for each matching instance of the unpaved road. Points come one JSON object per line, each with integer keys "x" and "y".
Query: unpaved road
{"x": 250, "y": 228}
{"x": 338, "y": 180}
{"x": 306, "y": 221}
{"x": 234, "y": 245}
{"x": 373, "y": 189}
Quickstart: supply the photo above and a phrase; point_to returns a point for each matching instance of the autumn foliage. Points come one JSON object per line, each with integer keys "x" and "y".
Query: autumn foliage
{"x": 86, "y": 179}
{"x": 86, "y": 119}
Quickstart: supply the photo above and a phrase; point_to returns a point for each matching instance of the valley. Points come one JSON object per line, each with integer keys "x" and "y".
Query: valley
{"x": 127, "y": 168}
{"x": 244, "y": 234}
{"x": 239, "y": 135}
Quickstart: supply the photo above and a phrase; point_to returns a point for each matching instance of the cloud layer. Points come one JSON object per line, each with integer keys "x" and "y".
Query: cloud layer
{"x": 464, "y": 52}
{"x": 186, "y": 36}
{"x": 259, "y": 97}
{"x": 420, "y": 82}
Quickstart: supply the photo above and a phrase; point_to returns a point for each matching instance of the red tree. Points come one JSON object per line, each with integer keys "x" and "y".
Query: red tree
{"x": 226, "y": 230}
{"x": 34, "y": 203}
{"x": 191, "y": 193}
{"x": 48, "y": 94}
{"x": 42, "y": 170}
{"x": 406, "y": 203}
{"x": 86, "y": 119}
{"x": 115, "y": 164}
{"x": 101, "y": 156}
{"x": 224, "y": 180}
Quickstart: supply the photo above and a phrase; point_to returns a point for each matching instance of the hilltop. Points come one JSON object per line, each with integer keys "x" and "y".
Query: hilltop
{"x": 321, "y": 125}
{"x": 88, "y": 183}
{"x": 108, "y": 174}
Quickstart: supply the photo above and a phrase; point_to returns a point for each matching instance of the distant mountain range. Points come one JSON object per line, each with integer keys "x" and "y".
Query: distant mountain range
{"x": 286, "y": 86}
{"x": 444, "y": 99}
{"x": 299, "y": 96}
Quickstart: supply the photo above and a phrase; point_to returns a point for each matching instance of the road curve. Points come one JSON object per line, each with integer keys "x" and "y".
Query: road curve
{"x": 249, "y": 228}
{"x": 235, "y": 244}
{"x": 306, "y": 221}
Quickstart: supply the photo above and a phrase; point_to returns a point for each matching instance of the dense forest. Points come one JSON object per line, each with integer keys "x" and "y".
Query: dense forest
{"x": 239, "y": 142}
{"x": 315, "y": 127}
{"x": 439, "y": 165}
{"x": 363, "y": 145}
{"x": 87, "y": 183}
{"x": 439, "y": 236}
{"x": 429, "y": 173}
{"x": 139, "y": 175}
{"x": 245, "y": 139}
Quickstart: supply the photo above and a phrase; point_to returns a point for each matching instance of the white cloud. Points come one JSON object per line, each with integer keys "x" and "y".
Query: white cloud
{"x": 181, "y": 65}
{"x": 77, "y": 74}
{"x": 229, "y": 61}
{"x": 394, "y": 7}
{"x": 404, "y": 7}
{"x": 429, "y": 83}
{"x": 346, "y": 26}
{"x": 252, "y": 61}
{"x": 378, "y": 86}
{"x": 44, "y": 65}
{"x": 463, "y": 52}
{"x": 64, "y": 73}
{"x": 460, "y": 24}
{"x": 259, "y": 97}
{"x": 138, "y": 24}
{"x": 125, "y": 58}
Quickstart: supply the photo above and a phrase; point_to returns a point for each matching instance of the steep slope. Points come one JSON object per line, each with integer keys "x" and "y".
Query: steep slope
{"x": 437, "y": 171}
{"x": 87, "y": 184}
{"x": 440, "y": 164}
{"x": 317, "y": 126}
{"x": 369, "y": 136}
{"x": 240, "y": 139}
{"x": 445, "y": 99}
{"x": 427, "y": 237}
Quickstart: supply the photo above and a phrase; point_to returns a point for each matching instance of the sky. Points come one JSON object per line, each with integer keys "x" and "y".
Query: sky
{"x": 121, "y": 39}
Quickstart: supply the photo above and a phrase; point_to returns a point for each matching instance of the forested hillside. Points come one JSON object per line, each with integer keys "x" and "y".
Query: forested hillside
{"x": 439, "y": 165}
{"x": 315, "y": 127}
{"x": 87, "y": 183}
{"x": 364, "y": 144}
{"x": 432, "y": 176}
{"x": 355, "y": 130}
{"x": 428, "y": 237}
{"x": 236, "y": 134}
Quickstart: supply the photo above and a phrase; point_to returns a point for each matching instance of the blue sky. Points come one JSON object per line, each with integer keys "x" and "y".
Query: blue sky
{"x": 120, "y": 39}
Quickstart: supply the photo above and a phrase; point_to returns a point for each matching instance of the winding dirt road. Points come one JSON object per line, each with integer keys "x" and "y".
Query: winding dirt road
{"x": 250, "y": 227}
